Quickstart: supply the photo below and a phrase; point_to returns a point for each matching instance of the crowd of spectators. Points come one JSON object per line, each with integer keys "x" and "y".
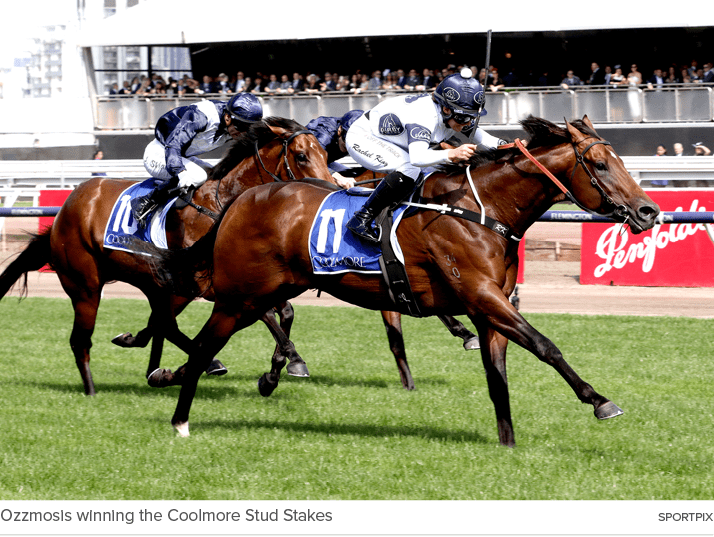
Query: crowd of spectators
{"x": 409, "y": 80}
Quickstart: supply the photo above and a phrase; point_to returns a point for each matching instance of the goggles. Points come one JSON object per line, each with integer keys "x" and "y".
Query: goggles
{"x": 462, "y": 119}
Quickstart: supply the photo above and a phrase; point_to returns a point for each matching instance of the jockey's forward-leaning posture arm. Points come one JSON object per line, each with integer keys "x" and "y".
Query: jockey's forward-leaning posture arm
{"x": 185, "y": 132}
{"x": 331, "y": 132}
{"x": 395, "y": 136}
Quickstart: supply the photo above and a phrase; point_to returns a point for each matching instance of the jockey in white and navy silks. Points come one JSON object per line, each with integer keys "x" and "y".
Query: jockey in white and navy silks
{"x": 395, "y": 137}
{"x": 186, "y": 132}
{"x": 331, "y": 132}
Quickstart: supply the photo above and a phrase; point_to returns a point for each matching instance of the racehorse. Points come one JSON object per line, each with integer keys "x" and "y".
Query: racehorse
{"x": 458, "y": 261}
{"x": 73, "y": 246}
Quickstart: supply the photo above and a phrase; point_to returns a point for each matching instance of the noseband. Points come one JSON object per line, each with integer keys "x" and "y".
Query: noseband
{"x": 284, "y": 154}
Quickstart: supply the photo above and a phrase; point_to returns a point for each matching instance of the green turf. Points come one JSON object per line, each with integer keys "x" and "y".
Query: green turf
{"x": 350, "y": 431}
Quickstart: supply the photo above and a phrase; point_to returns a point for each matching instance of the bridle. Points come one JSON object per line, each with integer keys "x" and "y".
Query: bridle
{"x": 619, "y": 210}
{"x": 284, "y": 154}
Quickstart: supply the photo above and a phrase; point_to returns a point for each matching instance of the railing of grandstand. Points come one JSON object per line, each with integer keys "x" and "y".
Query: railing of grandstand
{"x": 634, "y": 104}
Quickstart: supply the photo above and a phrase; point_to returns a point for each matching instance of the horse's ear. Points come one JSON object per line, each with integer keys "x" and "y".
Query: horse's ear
{"x": 588, "y": 123}
{"x": 575, "y": 134}
{"x": 278, "y": 131}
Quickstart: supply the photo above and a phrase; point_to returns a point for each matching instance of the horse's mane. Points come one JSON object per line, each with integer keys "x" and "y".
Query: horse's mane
{"x": 541, "y": 133}
{"x": 244, "y": 147}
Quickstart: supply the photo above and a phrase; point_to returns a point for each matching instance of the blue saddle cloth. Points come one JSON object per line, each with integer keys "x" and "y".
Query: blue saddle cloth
{"x": 333, "y": 248}
{"x": 122, "y": 229}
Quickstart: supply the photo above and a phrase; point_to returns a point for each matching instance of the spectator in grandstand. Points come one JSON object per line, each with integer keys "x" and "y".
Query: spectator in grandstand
{"x": 223, "y": 85}
{"x": 186, "y": 132}
{"x": 98, "y": 155}
{"x": 376, "y": 81}
{"x": 428, "y": 81}
{"x": 685, "y": 77}
{"x": 285, "y": 84}
{"x": 495, "y": 83}
{"x": 634, "y": 77}
{"x": 259, "y": 86}
{"x": 297, "y": 83}
{"x": 700, "y": 150}
{"x": 671, "y": 76}
{"x": 328, "y": 83}
{"x": 360, "y": 83}
{"x": 144, "y": 86}
{"x": 571, "y": 80}
{"x": 692, "y": 69}
{"x": 114, "y": 90}
{"x": 617, "y": 78}
{"x": 331, "y": 132}
{"x": 660, "y": 152}
{"x": 656, "y": 80}
{"x": 125, "y": 89}
{"x": 390, "y": 82}
{"x": 159, "y": 88}
{"x": 512, "y": 80}
{"x": 707, "y": 74}
{"x": 597, "y": 75}
{"x": 343, "y": 83}
{"x": 313, "y": 84}
{"x": 240, "y": 82}
{"x": 678, "y": 150}
{"x": 412, "y": 81}
{"x": 248, "y": 86}
{"x": 608, "y": 75}
{"x": 207, "y": 86}
{"x": 135, "y": 83}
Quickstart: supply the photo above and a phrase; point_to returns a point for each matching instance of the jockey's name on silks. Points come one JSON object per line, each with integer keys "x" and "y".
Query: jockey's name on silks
{"x": 122, "y": 229}
{"x": 333, "y": 248}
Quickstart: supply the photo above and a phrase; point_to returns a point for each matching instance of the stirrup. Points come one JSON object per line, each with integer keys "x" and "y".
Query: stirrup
{"x": 141, "y": 209}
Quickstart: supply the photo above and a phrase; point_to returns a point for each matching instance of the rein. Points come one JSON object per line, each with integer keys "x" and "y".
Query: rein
{"x": 619, "y": 210}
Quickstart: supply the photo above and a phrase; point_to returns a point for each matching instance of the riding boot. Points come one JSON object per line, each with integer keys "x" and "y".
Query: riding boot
{"x": 142, "y": 206}
{"x": 392, "y": 189}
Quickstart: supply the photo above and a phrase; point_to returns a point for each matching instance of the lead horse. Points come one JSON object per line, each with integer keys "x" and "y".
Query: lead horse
{"x": 513, "y": 191}
{"x": 275, "y": 150}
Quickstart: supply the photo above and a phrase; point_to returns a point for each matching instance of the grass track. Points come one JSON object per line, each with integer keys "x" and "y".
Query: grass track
{"x": 351, "y": 431}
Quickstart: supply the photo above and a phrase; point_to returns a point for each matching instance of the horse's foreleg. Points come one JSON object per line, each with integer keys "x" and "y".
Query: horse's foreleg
{"x": 297, "y": 366}
{"x": 495, "y": 308}
{"x": 493, "y": 354}
{"x": 284, "y": 351}
{"x": 457, "y": 329}
{"x": 129, "y": 341}
{"x": 393, "y": 324}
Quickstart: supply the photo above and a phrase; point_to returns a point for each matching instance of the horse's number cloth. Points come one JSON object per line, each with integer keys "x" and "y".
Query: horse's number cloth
{"x": 333, "y": 248}
{"x": 122, "y": 228}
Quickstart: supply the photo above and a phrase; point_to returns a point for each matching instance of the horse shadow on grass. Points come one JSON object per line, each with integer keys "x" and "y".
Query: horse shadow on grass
{"x": 347, "y": 429}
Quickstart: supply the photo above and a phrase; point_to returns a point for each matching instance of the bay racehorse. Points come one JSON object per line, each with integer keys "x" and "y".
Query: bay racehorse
{"x": 505, "y": 186}
{"x": 276, "y": 149}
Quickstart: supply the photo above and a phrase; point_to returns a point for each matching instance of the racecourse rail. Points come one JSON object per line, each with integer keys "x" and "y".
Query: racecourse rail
{"x": 701, "y": 217}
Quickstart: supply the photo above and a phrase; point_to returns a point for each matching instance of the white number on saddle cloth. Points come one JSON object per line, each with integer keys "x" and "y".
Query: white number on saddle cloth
{"x": 123, "y": 215}
{"x": 326, "y": 216}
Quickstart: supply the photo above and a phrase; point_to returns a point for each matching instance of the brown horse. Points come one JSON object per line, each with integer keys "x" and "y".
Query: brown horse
{"x": 73, "y": 246}
{"x": 455, "y": 263}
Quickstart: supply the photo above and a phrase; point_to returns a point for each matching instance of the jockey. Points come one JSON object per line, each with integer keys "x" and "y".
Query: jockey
{"x": 185, "y": 132}
{"x": 394, "y": 137}
{"x": 331, "y": 132}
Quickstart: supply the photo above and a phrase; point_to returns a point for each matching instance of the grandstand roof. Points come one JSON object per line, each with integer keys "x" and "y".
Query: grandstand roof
{"x": 167, "y": 22}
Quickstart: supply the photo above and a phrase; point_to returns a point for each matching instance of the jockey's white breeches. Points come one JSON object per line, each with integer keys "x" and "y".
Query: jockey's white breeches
{"x": 155, "y": 163}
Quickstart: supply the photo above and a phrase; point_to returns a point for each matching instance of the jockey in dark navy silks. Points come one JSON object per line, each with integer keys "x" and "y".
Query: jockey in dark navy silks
{"x": 185, "y": 132}
{"x": 397, "y": 136}
{"x": 331, "y": 132}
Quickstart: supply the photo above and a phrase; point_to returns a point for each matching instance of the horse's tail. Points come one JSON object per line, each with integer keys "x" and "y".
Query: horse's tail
{"x": 35, "y": 256}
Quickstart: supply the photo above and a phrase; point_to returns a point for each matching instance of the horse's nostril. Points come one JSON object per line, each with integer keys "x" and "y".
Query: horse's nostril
{"x": 648, "y": 211}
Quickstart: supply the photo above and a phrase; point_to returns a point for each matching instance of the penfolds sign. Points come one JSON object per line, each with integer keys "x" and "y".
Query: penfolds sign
{"x": 668, "y": 255}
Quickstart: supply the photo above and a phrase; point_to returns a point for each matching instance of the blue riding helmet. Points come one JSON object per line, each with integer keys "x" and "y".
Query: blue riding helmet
{"x": 349, "y": 118}
{"x": 462, "y": 95}
{"x": 245, "y": 107}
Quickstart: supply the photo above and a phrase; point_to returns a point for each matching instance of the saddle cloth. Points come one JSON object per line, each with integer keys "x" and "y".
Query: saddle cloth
{"x": 334, "y": 249}
{"x": 122, "y": 229}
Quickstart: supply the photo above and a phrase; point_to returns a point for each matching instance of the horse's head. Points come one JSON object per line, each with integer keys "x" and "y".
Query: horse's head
{"x": 601, "y": 184}
{"x": 301, "y": 155}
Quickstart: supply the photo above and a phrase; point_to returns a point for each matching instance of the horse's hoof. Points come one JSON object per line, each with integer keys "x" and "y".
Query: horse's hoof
{"x": 297, "y": 369}
{"x": 608, "y": 410}
{"x": 265, "y": 386}
{"x": 216, "y": 368}
{"x": 158, "y": 378}
{"x": 182, "y": 429}
{"x": 472, "y": 344}
{"x": 124, "y": 340}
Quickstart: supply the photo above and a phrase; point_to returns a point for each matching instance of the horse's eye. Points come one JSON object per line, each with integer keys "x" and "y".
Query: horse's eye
{"x": 600, "y": 166}
{"x": 301, "y": 158}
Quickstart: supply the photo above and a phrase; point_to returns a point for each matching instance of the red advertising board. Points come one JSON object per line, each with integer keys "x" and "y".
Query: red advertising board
{"x": 51, "y": 198}
{"x": 669, "y": 255}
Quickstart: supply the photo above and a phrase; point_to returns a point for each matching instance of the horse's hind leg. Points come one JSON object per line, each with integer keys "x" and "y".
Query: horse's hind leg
{"x": 85, "y": 315}
{"x": 393, "y": 325}
{"x": 296, "y": 366}
{"x": 493, "y": 354}
{"x": 284, "y": 351}
{"x": 457, "y": 329}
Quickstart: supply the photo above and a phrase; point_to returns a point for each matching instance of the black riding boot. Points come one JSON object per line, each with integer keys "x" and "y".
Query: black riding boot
{"x": 392, "y": 189}
{"x": 142, "y": 206}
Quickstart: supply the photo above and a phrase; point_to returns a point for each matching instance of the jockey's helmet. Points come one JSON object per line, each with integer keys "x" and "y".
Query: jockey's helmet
{"x": 349, "y": 118}
{"x": 462, "y": 94}
{"x": 245, "y": 107}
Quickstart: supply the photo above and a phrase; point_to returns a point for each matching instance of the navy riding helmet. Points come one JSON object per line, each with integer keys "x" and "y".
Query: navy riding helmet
{"x": 462, "y": 94}
{"x": 348, "y": 119}
{"x": 245, "y": 107}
